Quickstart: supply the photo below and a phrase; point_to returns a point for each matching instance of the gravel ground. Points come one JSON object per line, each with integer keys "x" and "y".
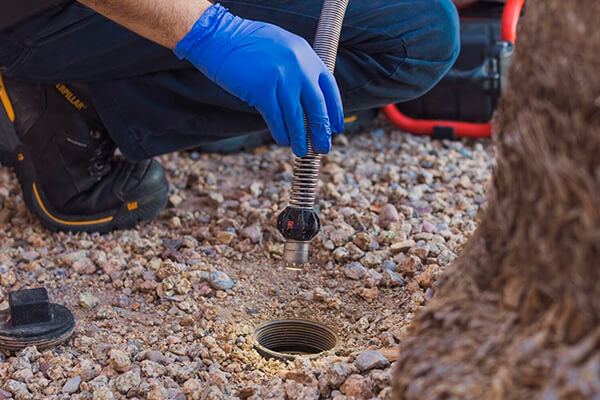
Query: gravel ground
{"x": 167, "y": 311}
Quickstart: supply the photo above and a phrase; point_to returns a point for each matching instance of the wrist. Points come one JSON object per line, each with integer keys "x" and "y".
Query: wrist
{"x": 202, "y": 30}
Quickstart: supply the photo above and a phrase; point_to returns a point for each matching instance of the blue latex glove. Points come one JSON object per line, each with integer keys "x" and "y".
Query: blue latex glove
{"x": 271, "y": 69}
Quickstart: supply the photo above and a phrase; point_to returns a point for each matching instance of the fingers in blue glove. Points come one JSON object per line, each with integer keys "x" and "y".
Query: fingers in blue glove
{"x": 294, "y": 119}
{"x": 318, "y": 121}
{"x": 271, "y": 113}
{"x": 333, "y": 100}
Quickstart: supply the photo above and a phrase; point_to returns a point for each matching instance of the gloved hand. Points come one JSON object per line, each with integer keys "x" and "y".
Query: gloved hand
{"x": 271, "y": 69}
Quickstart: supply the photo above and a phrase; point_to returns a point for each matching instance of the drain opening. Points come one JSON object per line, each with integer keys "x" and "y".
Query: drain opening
{"x": 287, "y": 339}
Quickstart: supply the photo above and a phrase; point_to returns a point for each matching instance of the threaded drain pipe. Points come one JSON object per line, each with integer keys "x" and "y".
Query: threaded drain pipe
{"x": 290, "y": 338}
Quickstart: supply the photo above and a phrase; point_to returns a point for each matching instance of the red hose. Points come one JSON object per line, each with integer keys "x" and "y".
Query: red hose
{"x": 510, "y": 20}
{"x": 508, "y": 32}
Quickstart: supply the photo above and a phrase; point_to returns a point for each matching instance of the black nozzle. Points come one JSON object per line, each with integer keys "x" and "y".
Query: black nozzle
{"x": 298, "y": 224}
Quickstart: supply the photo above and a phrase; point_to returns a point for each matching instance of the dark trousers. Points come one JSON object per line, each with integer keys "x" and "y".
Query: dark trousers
{"x": 153, "y": 103}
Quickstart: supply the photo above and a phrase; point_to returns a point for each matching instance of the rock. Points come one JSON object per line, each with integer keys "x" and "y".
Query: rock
{"x": 401, "y": 247}
{"x": 105, "y": 312}
{"x": 392, "y": 279}
{"x": 388, "y": 265}
{"x": 364, "y": 241}
{"x": 388, "y": 215}
{"x": 419, "y": 251}
{"x": 18, "y": 389}
{"x": 156, "y": 356}
{"x": 127, "y": 381}
{"x": 103, "y": 393}
{"x": 72, "y": 385}
{"x": 337, "y": 373}
{"x": 297, "y": 391}
{"x": 253, "y": 232}
{"x": 427, "y": 277}
{"x": 355, "y": 271}
{"x": 175, "y": 200}
{"x": 428, "y": 227}
{"x": 416, "y": 192}
{"x": 23, "y": 375}
{"x": 225, "y": 237}
{"x": 152, "y": 369}
{"x": 371, "y": 260}
{"x": 175, "y": 223}
{"x": 193, "y": 388}
{"x": 119, "y": 360}
{"x": 87, "y": 300}
{"x": 368, "y": 294}
{"x": 371, "y": 359}
{"x": 220, "y": 280}
{"x": 8, "y": 278}
{"x": 88, "y": 370}
{"x": 341, "y": 254}
{"x": 373, "y": 278}
{"x": 381, "y": 378}
{"x": 446, "y": 257}
{"x": 341, "y": 234}
{"x": 215, "y": 199}
{"x": 390, "y": 353}
{"x": 358, "y": 387}
{"x": 410, "y": 265}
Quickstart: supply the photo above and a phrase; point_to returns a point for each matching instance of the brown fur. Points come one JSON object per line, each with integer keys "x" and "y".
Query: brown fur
{"x": 518, "y": 316}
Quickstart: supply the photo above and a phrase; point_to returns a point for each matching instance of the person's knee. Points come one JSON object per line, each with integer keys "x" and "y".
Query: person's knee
{"x": 430, "y": 49}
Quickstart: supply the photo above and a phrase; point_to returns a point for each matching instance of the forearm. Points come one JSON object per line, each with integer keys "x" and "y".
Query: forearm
{"x": 162, "y": 21}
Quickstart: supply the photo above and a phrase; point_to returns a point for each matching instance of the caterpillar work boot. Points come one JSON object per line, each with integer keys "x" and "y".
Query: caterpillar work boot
{"x": 66, "y": 163}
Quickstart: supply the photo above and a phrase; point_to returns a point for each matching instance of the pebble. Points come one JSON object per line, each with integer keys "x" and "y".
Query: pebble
{"x": 103, "y": 393}
{"x": 127, "y": 381}
{"x": 175, "y": 200}
{"x": 355, "y": 271}
{"x": 401, "y": 247}
{"x": 152, "y": 369}
{"x": 392, "y": 279}
{"x": 156, "y": 356}
{"x": 358, "y": 387}
{"x": 18, "y": 389}
{"x": 371, "y": 359}
{"x": 410, "y": 265}
{"x": 337, "y": 373}
{"x": 388, "y": 265}
{"x": 253, "y": 232}
{"x": 88, "y": 301}
{"x": 220, "y": 280}
{"x": 364, "y": 241}
{"x": 388, "y": 215}
{"x": 225, "y": 237}
{"x": 369, "y": 294}
{"x": 215, "y": 199}
{"x": 119, "y": 360}
{"x": 72, "y": 385}
{"x": 372, "y": 260}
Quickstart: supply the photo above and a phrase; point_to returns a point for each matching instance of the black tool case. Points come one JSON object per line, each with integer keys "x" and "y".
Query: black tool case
{"x": 471, "y": 89}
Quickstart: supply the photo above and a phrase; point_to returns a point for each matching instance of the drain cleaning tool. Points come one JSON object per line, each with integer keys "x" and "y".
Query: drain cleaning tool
{"x": 299, "y": 223}
{"x": 31, "y": 320}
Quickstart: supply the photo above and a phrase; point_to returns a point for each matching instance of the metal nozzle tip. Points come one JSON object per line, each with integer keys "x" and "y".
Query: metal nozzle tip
{"x": 295, "y": 253}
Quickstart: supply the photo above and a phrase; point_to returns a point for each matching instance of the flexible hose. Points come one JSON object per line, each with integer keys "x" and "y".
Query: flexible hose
{"x": 306, "y": 169}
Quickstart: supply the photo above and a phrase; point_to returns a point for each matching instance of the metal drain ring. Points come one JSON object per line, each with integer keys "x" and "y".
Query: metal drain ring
{"x": 286, "y": 339}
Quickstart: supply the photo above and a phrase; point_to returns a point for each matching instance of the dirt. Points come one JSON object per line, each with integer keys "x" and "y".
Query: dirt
{"x": 150, "y": 323}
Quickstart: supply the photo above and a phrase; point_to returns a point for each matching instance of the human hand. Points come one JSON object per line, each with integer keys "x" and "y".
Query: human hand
{"x": 271, "y": 69}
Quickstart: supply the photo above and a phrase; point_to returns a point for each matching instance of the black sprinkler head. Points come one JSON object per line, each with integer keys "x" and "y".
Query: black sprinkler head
{"x": 298, "y": 224}
{"x": 31, "y": 320}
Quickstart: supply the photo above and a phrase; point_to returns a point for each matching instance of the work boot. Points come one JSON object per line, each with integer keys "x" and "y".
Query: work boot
{"x": 66, "y": 163}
